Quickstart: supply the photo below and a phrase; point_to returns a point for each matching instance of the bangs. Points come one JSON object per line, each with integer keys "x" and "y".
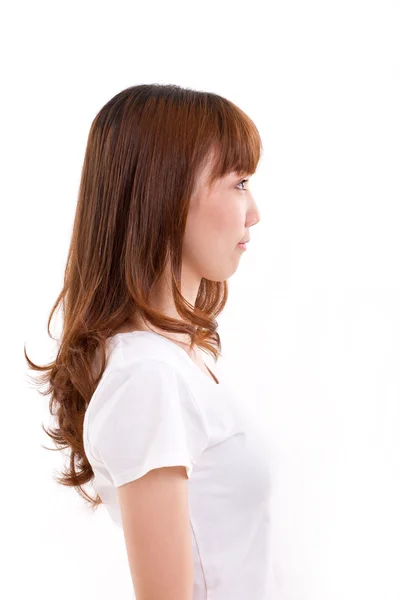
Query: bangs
{"x": 237, "y": 146}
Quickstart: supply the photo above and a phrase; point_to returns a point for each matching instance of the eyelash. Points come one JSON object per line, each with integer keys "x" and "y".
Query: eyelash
{"x": 243, "y": 181}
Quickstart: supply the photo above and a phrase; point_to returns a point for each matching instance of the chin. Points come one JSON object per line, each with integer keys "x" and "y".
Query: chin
{"x": 218, "y": 271}
{"x": 218, "y": 275}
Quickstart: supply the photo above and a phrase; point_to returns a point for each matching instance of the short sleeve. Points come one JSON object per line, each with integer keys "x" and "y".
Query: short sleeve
{"x": 147, "y": 418}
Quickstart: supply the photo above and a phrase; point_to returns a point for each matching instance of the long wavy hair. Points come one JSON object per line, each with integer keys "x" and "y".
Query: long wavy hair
{"x": 144, "y": 152}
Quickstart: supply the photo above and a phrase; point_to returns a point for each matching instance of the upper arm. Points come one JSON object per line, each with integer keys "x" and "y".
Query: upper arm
{"x": 156, "y": 524}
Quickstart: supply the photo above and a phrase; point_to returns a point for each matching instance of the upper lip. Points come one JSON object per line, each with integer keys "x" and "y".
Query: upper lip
{"x": 244, "y": 241}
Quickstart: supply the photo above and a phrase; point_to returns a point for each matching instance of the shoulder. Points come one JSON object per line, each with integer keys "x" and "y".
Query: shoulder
{"x": 141, "y": 352}
{"x": 152, "y": 384}
{"x": 144, "y": 413}
{"x": 142, "y": 372}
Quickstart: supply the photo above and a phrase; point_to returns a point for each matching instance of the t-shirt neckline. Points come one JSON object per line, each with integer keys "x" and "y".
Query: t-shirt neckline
{"x": 211, "y": 380}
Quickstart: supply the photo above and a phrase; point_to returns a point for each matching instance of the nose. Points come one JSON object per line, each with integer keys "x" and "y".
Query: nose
{"x": 253, "y": 215}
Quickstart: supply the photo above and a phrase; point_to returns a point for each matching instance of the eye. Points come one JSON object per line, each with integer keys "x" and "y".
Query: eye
{"x": 241, "y": 182}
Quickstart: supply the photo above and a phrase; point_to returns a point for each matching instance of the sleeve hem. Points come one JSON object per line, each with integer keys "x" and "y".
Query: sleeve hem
{"x": 137, "y": 473}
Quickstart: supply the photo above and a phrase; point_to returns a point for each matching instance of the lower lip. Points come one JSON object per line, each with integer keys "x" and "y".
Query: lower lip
{"x": 243, "y": 246}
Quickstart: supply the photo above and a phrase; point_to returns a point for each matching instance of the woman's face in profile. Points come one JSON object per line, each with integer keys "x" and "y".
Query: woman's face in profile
{"x": 218, "y": 219}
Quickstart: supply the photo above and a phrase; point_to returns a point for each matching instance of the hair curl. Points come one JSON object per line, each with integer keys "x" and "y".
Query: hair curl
{"x": 144, "y": 151}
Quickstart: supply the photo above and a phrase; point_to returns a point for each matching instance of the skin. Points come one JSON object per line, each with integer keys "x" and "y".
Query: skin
{"x": 219, "y": 218}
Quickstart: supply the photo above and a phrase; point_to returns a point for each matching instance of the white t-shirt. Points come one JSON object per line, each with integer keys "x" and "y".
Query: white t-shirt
{"x": 155, "y": 407}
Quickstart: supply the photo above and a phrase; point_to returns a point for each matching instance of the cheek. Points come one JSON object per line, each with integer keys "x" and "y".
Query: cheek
{"x": 229, "y": 225}
{"x": 213, "y": 228}
{"x": 209, "y": 244}
{"x": 211, "y": 235}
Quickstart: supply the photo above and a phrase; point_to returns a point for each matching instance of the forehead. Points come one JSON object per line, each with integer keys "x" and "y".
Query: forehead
{"x": 209, "y": 164}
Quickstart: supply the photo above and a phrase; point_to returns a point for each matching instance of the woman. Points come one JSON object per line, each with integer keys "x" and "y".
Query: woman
{"x": 163, "y": 212}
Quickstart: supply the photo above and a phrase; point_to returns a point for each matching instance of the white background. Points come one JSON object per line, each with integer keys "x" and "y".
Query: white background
{"x": 311, "y": 332}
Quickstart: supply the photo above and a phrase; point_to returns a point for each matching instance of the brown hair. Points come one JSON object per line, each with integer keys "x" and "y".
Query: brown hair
{"x": 144, "y": 151}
